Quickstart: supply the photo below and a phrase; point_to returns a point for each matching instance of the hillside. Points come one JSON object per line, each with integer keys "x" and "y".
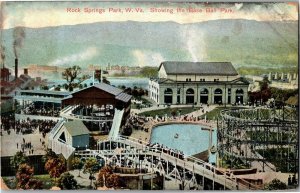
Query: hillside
{"x": 245, "y": 43}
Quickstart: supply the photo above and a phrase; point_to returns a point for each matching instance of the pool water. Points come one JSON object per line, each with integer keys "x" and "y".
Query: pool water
{"x": 191, "y": 138}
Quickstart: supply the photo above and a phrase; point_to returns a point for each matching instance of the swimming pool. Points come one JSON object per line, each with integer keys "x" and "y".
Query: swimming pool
{"x": 191, "y": 138}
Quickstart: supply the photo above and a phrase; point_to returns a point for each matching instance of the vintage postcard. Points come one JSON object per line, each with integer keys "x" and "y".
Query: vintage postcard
{"x": 149, "y": 95}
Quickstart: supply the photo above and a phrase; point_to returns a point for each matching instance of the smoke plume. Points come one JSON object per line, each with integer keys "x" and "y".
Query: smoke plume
{"x": 2, "y": 53}
{"x": 19, "y": 36}
{"x": 194, "y": 42}
{"x": 147, "y": 58}
{"x": 68, "y": 60}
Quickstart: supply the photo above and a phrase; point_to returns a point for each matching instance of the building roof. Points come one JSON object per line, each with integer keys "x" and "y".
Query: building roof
{"x": 108, "y": 88}
{"x": 123, "y": 97}
{"x": 118, "y": 93}
{"x": 45, "y": 92}
{"x": 76, "y": 128}
{"x": 200, "y": 68}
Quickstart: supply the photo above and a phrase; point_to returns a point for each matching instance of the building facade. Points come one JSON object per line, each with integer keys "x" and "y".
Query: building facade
{"x": 198, "y": 82}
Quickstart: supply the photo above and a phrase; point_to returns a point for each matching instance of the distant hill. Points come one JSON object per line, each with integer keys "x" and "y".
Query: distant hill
{"x": 246, "y": 43}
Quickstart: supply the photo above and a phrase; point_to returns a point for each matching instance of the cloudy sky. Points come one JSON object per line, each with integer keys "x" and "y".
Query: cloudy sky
{"x": 42, "y": 14}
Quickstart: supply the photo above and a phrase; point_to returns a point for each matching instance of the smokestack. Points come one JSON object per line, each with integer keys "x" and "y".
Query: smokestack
{"x": 26, "y": 71}
{"x": 16, "y": 68}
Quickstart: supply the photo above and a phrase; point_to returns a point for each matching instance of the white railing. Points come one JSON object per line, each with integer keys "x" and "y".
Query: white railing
{"x": 67, "y": 113}
{"x": 191, "y": 163}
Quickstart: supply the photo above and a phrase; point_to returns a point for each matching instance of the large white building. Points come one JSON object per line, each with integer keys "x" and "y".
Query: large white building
{"x": 198, "y": 82}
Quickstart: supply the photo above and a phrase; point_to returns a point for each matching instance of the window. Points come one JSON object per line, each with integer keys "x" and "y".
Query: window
{"x": 229, "y": 91}
{"x": 216, "y": 80}
{"x": 202, "y": 79}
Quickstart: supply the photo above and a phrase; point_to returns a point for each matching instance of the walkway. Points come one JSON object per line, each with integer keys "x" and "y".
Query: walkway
{"x": 9, "y": 143}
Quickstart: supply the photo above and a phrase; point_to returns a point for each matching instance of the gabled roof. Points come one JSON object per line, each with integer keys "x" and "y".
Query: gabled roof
{"x": 123, "y": 97}
{"x": 118, "y": 93}
{"x": 240, "y": 79}
{"x": 108, "y": 88}
{"x": 200, "y": 68}
{"x": 76, "y": 128}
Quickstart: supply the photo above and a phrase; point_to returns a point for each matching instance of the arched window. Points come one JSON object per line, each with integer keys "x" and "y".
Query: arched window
{"x": 218, "y": 99}
{"x": 239, "y": 98}
{"x": 218, "y": 91}
{"x": 168, "y": 91}
{"x": 203, "y": 91}
{"x": 204, "y": 96}
{"x": 190, "y": 91}
{"x": 190, "y": 96}
{"x": 239, "y": 91}
{"x": 168, "y": 96}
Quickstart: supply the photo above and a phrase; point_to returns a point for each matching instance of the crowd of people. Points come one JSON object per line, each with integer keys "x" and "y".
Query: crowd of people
{"x": 137, "y": 122}
{"x": 42, "y": 110}
{"x": 173, "y": 152}
{"x": 7, "y": 122}
{"x": 28, "y": 126}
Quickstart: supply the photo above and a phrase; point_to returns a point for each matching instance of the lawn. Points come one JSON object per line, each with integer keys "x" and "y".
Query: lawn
{"x": 168, "y": 111}
{"x": 215, "y": 113}
{"x": 145, "y": 103}
{"x": 47, "y": 181}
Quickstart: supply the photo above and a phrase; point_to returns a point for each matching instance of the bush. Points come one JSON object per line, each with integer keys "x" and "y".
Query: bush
{"x": 67, "y": 181}
{"x": 276, "y": 184}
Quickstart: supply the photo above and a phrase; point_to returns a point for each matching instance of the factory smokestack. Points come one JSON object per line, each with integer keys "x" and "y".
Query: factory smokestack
{"x": 16, "y": 68}
{"x": 26, "y": 71}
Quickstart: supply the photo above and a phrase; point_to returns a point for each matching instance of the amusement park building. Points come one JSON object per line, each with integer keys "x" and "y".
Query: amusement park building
{"x": 198, "y": 82}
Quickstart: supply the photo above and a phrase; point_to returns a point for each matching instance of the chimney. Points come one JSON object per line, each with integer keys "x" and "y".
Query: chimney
{"x": 16, "y": 68}
{"x": 26, "y": 71}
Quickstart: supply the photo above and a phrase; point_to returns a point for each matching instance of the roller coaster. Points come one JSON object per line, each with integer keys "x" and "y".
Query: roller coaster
{"x": 265, "y": 138}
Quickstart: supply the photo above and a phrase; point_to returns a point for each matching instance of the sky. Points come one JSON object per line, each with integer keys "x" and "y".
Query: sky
{"x": 44, "y": 14}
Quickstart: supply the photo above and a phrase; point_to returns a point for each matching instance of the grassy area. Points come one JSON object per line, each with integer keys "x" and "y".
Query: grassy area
{"x": 212, "y": 115}
{"x": 168, "y": 111}
{"x": 144, "y": 102}
{"x": 47, "y": 181}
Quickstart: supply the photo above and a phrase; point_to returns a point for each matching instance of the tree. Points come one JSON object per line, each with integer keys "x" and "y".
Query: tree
{"x": 77, "y": 164}
{"x": 67, "y": 181}
{"x": 97, "y": 75}
{"x": 91, "y": 168}
{"x": 23, "y": 175}
{"x": 264, "y": 84}
{"x": 18, "y": 159}
{"x": 135, "y": 93}
{"x": 24, "y": 178}
{"x": 45, "y": 87}
{"x": 55, "y": 167}
{"x": 70, "y": 74}
{"x": 107, "y": 178}
{"x": 173, "y": 112}
{"x": 148, "y": 71}
{"x": 49, "y": 155}
{"x": 276, "y": 184}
